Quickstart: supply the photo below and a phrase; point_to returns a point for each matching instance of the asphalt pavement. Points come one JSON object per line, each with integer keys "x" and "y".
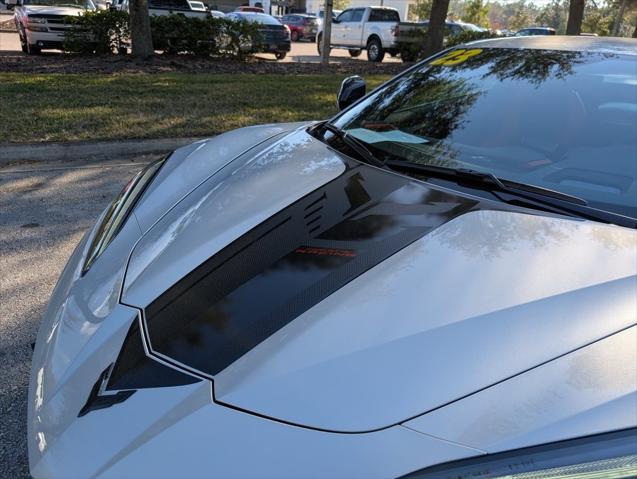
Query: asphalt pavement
{"x": 44, "y": 211}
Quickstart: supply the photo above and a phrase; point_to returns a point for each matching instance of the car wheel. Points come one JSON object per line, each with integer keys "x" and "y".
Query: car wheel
{"x": 375, "y": 51}
{"x": 294, "y": 36}
{"x": 319, "y": 45}
{"x": 408, "y": 57}
{"x": 355, "y": 53}
{"x": 33, "y": 49}
{"x": 280, "y": 55}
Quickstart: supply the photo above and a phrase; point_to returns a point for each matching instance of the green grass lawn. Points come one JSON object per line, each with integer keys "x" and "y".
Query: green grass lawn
{"x": 69, "y": 107}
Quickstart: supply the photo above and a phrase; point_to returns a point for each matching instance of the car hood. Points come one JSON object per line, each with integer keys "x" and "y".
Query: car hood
{"x": 478, "y": 294}
{"x": 53, "y": 10}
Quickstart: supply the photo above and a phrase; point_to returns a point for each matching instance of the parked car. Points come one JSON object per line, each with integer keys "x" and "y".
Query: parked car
{"x": 370, "y": 28}
{"x": 408, "y": 33}
{"x": 42, "y": 24}
{"x": 273, "y": 37}
{"x": 301, "y": 26}
{"x": 438, "y": 282}
{"x": 168, "y": 7}
{"x": 248, "y": 8}
{"x": 531, "y": 31}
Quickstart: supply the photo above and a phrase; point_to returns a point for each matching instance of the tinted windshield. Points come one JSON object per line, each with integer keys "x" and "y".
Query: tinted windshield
{"x": 560, "y": 120}
{"x": 470, "y": 27}
{"x": 87, "y": 4}
{"x": 259, "y": 18}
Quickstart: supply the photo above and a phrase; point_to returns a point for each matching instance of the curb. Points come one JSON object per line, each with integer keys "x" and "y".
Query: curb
{"x": 94, "y": 150}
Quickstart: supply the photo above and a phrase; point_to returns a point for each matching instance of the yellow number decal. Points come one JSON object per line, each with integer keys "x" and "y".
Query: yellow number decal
{"x": 456, "y": 57}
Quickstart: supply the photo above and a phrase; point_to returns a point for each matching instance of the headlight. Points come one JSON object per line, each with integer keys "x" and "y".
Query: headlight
{"x": 607, "y": 456}
{"x": 37, "y": 25}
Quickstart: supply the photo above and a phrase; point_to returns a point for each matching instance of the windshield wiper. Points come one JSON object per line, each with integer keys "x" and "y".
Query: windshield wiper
{"x": 556, "y": 200}
{"x": 353, "y": 143}
{"x": 487, "y": 179}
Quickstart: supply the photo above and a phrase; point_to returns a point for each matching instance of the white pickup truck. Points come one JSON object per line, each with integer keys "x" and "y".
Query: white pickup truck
{"x": 364, "y": 28}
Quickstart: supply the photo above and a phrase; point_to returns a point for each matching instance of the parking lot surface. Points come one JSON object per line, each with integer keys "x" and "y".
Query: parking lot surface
{"x": 302, "y": 51}
{"x": 44, "y": 211}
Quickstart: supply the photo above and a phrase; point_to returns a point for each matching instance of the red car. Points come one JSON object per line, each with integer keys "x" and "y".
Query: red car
{"x": 301, "y": 26}
{"x": 247, "y": 8}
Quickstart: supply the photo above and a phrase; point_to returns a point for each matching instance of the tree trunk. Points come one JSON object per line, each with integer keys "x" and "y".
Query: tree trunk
{"x": 141, "y": 39}
{"x": 326, "y": 40}
{"x": 575, "y": 17}
{"x": 436, "y": 30}
{"x": 635, "y": 32}
{"x": 618, "y": 20}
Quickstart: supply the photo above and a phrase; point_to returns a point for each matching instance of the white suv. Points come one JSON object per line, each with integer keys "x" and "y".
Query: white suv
{"x": 41, "y": 24}
{"x": 369, "y": 28}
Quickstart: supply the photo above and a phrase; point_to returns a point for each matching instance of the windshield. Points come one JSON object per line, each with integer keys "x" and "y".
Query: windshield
{"x": 261, "y": 18}
{"x": 86, "y": 4}
{"x": 562, "y": 120}
{"x": 470, "y": 27}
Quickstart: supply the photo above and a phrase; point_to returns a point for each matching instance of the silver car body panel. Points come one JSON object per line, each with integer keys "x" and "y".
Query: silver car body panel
{"x": 225, "y": 207}
{"x": 78, "y": 308}
{"x": 81, "y": 309}
{"x": 438, "y": 328}
{"x": 476, "y": 290}
{"x": 364, "y": 379}
{"x": 53, "y": 413}
{"x": 80, "y": 304}
{"x": 589, "y": 391}
{"x": 179, "y": 432}
{"x": 193, "y": 164}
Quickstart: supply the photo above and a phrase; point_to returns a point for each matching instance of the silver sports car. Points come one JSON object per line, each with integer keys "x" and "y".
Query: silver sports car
{"x": 439, "y": 282}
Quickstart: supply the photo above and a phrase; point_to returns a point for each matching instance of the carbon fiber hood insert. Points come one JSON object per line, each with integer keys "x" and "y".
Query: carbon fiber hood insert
{"x": 289, "y": 263}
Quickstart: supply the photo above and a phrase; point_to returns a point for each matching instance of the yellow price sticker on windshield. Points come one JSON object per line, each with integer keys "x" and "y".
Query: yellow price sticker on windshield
{"x": 456, "y": 57}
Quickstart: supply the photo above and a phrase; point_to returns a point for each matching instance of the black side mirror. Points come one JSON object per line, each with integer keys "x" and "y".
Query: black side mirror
{"x": 352, "y": 89}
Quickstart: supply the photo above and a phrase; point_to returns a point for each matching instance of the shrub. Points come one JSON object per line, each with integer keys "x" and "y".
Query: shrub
{"x": 107, "y": 31}
{"x": 469, "y": 36}
{"x": 100, "y": 31}
{"x": 202, "y": 36}
{"x": 414, "y": 49}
